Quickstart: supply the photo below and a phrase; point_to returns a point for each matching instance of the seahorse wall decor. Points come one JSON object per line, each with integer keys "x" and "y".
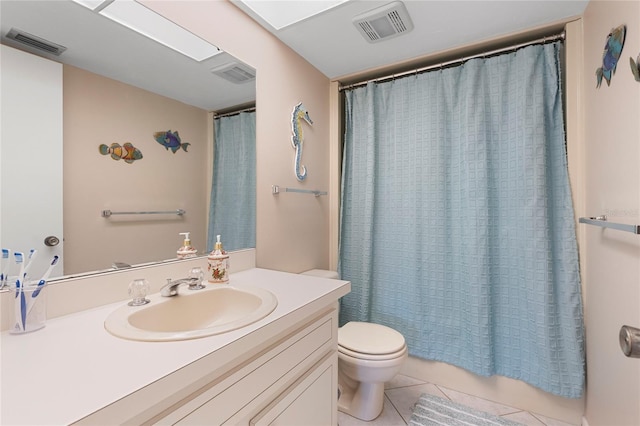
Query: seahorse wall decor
{"x": 299, "y": 113}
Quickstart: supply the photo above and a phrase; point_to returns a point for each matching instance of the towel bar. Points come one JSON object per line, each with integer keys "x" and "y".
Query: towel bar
{"x": 275, "y": 190}
{"x": 179, "y": 212}
{"x": 603, "y": 223}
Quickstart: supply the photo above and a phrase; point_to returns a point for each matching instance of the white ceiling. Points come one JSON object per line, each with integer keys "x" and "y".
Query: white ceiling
{"x": 328, "y": 40}
{"x": 97, "y": 44}
{"x": 331, "y": 42}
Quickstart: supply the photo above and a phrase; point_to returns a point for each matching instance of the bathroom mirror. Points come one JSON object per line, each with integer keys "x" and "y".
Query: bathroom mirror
{"x": 125, "y": 62}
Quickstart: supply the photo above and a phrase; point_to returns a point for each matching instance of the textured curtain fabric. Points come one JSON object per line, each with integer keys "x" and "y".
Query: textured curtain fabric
{"x": 233, "y": 190}
{"x": 457, "y": 224}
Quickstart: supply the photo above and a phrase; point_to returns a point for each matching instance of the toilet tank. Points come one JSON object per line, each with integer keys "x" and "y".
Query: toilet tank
{"x": 323, "y": 273}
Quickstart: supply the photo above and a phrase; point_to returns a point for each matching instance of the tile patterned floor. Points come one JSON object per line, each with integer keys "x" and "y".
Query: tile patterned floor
{"x": 402, "y": 393}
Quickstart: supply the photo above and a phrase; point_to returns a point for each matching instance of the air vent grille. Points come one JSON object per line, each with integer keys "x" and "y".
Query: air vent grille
{"x": 384, "y": 22}
{"x": 235, "y": 72}
{"x": 368, "y": 30}
{"x": 396, "y": 21}
{"x": 35, "y": 42}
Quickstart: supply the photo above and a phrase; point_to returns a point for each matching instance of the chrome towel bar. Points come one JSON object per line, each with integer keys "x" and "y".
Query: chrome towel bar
{"x": 603, "y": 223}
{"x": 179, "y": 212}
{"x": 275, "y": 190}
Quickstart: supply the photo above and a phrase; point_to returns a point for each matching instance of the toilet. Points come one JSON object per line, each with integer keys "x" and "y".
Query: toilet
{"x": 368, "y": 356}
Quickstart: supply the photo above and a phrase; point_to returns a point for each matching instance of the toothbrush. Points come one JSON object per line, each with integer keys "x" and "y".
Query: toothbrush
{"x": 19, "y": 256}
{"x": 4, "y": 274}
{"x": 43, "y": 280}
{"x": 23, "y": 306}
{"x": 50, "y": 268}
{"x": 19, "y": 289}
{"x": 37, "y": 291}
{"x": 32, "y": 256}
{"x": 39, "y": 286}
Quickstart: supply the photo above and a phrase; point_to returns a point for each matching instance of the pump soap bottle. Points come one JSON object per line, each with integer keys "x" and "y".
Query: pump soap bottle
{"x": 218, "y": 260}
{"x": 186, "y": 251}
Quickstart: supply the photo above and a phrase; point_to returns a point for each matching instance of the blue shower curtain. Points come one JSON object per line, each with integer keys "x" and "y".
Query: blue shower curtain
{"x": 232, "y": 212}
{"x": 457, "y": 224}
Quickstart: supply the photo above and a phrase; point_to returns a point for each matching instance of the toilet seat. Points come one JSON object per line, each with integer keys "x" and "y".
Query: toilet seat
{"x": 370, "y": 341}
{"x": 369, "y": 357}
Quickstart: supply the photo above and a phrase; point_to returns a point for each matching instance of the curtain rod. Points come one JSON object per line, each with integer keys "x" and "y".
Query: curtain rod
{"x": 230, "y": 113}
{"x": 543, "y": 40}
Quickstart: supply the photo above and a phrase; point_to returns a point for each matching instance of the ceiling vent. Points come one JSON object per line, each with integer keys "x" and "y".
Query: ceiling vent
{"x": 235, "y": 72}
{"x": 35, "y": 42}
{"x": 384, "y": 22}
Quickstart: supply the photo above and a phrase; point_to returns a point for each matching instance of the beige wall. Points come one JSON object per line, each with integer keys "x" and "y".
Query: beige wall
{"x": 292, "y": 230}
{"x": 98, "y": 110}
{"x": 612, "y": 186}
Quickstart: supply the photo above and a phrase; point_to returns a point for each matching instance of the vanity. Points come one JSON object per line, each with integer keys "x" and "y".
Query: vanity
{"x": 281, "y": 369}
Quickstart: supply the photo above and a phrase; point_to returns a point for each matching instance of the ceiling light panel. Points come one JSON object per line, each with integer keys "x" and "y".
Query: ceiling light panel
{"x": 280, "y": 14}
{"x": 148, "y": 23}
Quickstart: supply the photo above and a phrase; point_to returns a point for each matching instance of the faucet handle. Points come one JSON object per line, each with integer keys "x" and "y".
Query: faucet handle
{"x": 138, "y": 290}
{"x": 196, "y": 276}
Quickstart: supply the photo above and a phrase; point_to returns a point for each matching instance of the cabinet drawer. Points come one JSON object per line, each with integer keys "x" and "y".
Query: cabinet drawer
{"x": 253, "y": 384}
{"x": 310, "y": 401}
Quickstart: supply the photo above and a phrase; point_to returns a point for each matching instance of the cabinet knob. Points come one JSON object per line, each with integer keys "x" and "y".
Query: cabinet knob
{"x": 51, "y": 241}
{"x": 630, "y": 341}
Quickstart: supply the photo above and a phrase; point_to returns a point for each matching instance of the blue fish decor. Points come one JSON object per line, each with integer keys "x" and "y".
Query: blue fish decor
{"x": 299, "y": 113}
{"x": 612, "y": 50}
{"x": 126, "y": 152}
{"x": 635, "y": 68}
{"x": 171, "y": 140}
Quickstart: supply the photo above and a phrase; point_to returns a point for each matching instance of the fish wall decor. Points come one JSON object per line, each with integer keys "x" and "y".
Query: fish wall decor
{"x": 171, "y": 140}
{"x": 612, "y": 50}
{"x": 299, "y": 113}
{"x": 126, "y": 152}
{"x": 635, "y": 68}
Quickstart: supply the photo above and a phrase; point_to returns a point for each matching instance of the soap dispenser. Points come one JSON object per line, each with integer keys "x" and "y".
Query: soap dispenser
{"x": 218, "y": 260}
{"x": 186, "y": 251}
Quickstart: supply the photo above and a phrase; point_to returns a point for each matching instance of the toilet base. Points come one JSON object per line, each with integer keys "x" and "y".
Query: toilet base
{"x": 363, "y": 401}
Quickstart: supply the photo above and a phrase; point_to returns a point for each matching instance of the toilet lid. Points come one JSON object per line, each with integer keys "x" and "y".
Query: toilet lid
{"x": 368, "y": 338}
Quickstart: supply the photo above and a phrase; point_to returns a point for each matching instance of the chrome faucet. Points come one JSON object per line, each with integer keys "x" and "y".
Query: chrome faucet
{"x": 171, "y": 287}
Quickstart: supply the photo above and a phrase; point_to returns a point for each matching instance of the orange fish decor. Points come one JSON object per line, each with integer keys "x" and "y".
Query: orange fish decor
{"x": 126, "y": 152}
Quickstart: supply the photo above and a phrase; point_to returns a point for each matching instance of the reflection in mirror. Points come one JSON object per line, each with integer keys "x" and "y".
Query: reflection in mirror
{"x": 233, "y": 202}
{"x": 134, "y": 120}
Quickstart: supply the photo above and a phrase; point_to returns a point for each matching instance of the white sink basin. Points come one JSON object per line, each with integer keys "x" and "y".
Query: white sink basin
{"x": 192, "y": 313}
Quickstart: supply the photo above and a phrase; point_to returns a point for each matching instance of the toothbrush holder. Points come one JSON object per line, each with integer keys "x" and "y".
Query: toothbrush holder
{"x": 30, "y": 308}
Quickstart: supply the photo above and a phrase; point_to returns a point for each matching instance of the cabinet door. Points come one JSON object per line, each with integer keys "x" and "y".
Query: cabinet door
{"x": 255, "y": 385}
{"x": 311, "y": 401}
{"x": 31, "y": 160}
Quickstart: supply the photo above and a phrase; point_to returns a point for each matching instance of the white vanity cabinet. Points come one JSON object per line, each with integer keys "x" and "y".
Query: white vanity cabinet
{"x": 289, "y": 379}
{"x": 294, "y": 382}
{"x": 280, "y": 370}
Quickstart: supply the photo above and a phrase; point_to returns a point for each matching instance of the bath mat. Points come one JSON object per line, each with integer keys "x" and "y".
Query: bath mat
{"x": 433, "y": 410}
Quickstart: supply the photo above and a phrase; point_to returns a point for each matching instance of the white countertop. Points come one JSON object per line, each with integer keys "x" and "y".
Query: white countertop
{"x": 74, "y": 367}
